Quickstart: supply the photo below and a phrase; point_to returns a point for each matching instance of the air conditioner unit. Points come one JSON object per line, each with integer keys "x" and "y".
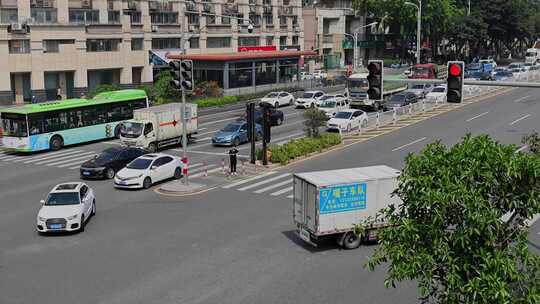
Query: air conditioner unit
{"x": 86, "y": 3}
{"x": 16, "y": 27}
{"x": 154, "y": 28}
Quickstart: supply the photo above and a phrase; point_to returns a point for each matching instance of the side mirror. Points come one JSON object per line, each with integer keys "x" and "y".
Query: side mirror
{"x": 42, "y": 202}
{"x": 95, "y": 156}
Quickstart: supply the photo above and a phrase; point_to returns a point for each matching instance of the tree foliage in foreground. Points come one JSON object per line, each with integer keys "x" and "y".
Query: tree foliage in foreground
{"x": 448, "y": 233}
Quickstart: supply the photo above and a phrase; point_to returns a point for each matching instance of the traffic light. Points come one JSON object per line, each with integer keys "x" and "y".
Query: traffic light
{"x": 250, "y": 118}
{"x": 186, "y": 69}
{"x": 374, "y": 78}
{"x": 266, "y": 124}
{"x": 454, "y": 81}
{"x": 176, "y": 76}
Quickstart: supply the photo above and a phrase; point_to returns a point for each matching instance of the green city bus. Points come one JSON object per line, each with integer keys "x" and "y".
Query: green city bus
{"x": 52, "y": 125}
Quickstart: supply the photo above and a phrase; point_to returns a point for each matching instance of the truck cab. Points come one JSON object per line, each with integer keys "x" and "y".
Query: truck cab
{"x": 137, "y": 133}
{"x": 424, "y": 71}
{"x": 532, "y": 56}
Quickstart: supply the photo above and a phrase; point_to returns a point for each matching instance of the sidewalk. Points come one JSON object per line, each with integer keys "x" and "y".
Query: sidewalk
{"x": 210, "y": 179}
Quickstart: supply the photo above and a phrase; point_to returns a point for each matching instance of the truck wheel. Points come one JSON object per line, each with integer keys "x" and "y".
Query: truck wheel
{"x": 152, "y": 148}
{"x": 351, "y": 240}
{"x": 56, "y": 143}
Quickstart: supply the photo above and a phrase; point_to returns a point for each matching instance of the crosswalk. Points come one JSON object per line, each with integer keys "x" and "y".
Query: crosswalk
{"x": 68, "y": 159}
{"x": 267, "y": 183}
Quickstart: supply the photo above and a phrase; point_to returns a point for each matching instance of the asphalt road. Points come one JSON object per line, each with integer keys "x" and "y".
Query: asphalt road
{"x": 228, "y": 245}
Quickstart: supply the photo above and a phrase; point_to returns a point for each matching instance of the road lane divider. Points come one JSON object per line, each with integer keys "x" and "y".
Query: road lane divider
{"x": 520, "y": 119}
{"x": 477, "y": 116}
{"x": 409, "y": 144}
{"x": 522, "y": 98}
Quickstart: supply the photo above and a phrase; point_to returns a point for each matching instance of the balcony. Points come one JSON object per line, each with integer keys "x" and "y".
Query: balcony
{"x": 44, "y": 15}
{"x": 114, "y": 17}
{"x": 164, "y": 17}
{"x": 160, "y": 6}
{"x": 8, "y": 15}
{"x": 134, "y": 16}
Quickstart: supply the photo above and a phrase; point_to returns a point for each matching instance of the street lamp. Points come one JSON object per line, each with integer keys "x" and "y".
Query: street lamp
{"x": 419, "y": 26}
{"x": 355, "y": 40}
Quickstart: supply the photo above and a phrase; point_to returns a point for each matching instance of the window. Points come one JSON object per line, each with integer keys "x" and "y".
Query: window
{"x": 295, "y": 20}
{"x": 225, "y": 20}
{"x": 283, "y": 20}
{"x": 53, "y": 46}
{"x": 114, "y": 17}
{"x": 84, "y": 190}
{"x": 79, "y": 16}
{"x": 270, "y": 40}
{"x": 295, "y": 40}
{"x": 193, "y": 19}
{"x": 218, "y": 42}
{"x": 269, "y": 20}
{"x": 265, "y": 72}
{"x": 102, "y": 45}
{"x": 255, "y": 19}
{"x": 20, "y": 46}
{"x": 248, "y": 41}
{"x": 44, "y": 15}
{"x": 14, "y": 124}
{"x": 210, "y": 19}
{"x": 162, "y": 161}
{"x": 282, "y": 40}
{"x": 134, "y": 17}
{"x": 194, "y": 42}
{"x": 164, "y": 18}
{"x": 148, "y": 128}
{"x": 240, "y": 75}
{"x": 165, "y": 43}
{"x": 8, "y": 15}
{"x": 137, "y": 44}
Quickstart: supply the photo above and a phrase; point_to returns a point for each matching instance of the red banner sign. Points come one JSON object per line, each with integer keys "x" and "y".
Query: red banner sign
{"x": 266, "y": 48}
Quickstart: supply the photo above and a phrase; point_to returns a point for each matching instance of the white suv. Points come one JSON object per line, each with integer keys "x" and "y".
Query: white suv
{"x": 67, "y": 208}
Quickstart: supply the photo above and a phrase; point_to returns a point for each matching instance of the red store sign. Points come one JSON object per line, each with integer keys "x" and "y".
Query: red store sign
{"x": 266, "y": 48}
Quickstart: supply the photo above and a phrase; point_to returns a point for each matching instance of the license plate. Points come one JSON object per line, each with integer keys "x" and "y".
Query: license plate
{"x": 122, "y": 183}
{"x": 304, "y": 235}
{"x": 56, "y": 226}
{"x": 86, "y": 173}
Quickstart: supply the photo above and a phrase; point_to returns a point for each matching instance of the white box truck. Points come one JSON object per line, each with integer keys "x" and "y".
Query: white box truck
{"x": 532, "y": 55}
{"x": 159, "y": 126}
{"x": 331, "y": 203}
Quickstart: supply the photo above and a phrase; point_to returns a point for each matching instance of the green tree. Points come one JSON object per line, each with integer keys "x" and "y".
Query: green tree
{"x": 449, "y": 234}
{"x": 101, "y": 88}
{"x": 313, "y": 120}
{"x": 162, "y": 91}
{"x": 533, "y": 141}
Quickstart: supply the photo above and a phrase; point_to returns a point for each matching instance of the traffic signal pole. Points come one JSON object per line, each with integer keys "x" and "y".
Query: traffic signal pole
{"x": 184, "y": 122}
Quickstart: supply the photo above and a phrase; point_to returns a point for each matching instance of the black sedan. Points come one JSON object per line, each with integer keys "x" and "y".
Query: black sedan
{"x": 110, "y": 161}
{"x": 276, "y": 117}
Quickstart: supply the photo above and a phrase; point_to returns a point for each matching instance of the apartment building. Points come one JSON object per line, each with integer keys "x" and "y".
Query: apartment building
{"x": 70, "y": 46}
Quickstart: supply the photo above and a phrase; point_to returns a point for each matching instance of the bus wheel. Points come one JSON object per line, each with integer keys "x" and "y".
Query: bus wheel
{"x": 56, "y": 143}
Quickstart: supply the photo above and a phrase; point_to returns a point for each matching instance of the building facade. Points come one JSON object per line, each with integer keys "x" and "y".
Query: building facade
{"x": 67, "y": 47}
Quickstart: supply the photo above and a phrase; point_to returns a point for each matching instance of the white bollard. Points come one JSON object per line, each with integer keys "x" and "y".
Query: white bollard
{"x": 394, "y": 116}
{"x": 377, "y": 123}
{"x": 223, "y": 165}
{"x": 423, "y": 106}
{"x": 205, "y": 170}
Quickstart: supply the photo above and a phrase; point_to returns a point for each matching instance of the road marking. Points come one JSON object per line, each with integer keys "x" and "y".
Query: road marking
{"x": 274, "y": 186}
{"x": 209, "y": 132}
{"x": 477, "y": 116}
{"x": 519, "y": 119}
{"x": 51, "y": 155}
{"x": 522, "y": 149}
{"x": 202, "y": 173}
{"x": 282, "y": 191}
{"x": 202, "y": 129}
{"x": 217, "y": 121}
{"x": 45, "y": 154}
{"x": 264, "y": 182}
{"x": 64, "y": 158}
{"x": 521, "y": 98}
{"x": 201, "y": 169}
{"x": 71, "y": 161}
{"x": 248, "y": 180}
{"x": 11, "y": 158}
{"x": 206, "y": 138}
{"x": 409, "y": 144}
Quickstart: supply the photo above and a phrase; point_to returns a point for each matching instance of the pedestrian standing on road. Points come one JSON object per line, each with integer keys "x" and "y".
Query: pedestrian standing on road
{"x": 232, "y": 160}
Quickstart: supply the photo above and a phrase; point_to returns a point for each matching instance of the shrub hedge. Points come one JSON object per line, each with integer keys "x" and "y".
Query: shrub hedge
{"x": 302, "y": 147}
{"x": 215, "y": 101}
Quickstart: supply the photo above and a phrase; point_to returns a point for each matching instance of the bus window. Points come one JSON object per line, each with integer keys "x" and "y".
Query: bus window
{"x": 14, "y": 125}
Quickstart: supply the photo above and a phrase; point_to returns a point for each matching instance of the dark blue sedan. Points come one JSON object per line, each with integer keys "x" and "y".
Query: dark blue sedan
{"x": 234, "y": 134}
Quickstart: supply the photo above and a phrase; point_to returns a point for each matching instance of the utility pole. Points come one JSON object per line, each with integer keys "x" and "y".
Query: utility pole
{"x": 183, "y": 107}
{"x": 418, "y": 27}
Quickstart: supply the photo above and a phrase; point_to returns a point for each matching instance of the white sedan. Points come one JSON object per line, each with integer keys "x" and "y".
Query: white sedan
{"x": 438, "y": 94}
{"x": 148, "y": 169}
{"x": 67, "y": 208}
{"x": 278, "y": 99}
{"x": 337, "y": 97}
{"x": 347, "y": 120}
{"x": 309, "y": 99}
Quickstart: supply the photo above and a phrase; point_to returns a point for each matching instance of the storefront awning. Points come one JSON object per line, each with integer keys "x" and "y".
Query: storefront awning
{"x": 238, "y": 56}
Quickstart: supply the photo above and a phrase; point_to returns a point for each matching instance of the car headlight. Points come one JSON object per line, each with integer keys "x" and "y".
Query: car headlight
{"x": 41, "y": 219}
{"x": 69, "y": 218}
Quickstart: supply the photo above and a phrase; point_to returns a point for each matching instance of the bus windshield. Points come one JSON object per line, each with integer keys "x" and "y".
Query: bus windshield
{"x": 14, "y": 125}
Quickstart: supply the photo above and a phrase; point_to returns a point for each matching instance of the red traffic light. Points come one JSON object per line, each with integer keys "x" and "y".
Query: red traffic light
{"x": 374, "y": 67}
{"x": 455, "y": 70}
